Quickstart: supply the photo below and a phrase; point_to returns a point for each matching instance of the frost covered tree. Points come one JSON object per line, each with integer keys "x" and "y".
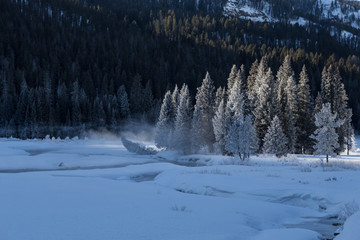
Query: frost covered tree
{"x": 183, "y": 119}
{"x": 232, "y": 77}
{"x": 205, "y": 102}
{"x": 98, "y": 112}
{"x": 304, "y": 124}
{"x": 275, "y": 140}
{"x": 248, "y": 141}
{"x": 333, "y": 92}
{"x": 176, "y": 97}
{"x": 318, "y": 104}
{"x": 232, "y": 144}
{"x": 165, "y": 124}
{"x": 196, "y": 133}
{"x": 235, "y": 103}
{"x": 264, "y": 104}
{"x": 219, "y": 96}
{"x": 325, "y": 135}
{"x": 286, "y": 102}
{"x": 256, "y": 82}
{"x": 219, "y": 124}
{"x": 252, "y": 76}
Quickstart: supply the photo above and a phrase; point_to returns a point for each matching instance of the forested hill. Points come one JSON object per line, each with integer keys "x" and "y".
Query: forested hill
{"x": 77, "y": 64}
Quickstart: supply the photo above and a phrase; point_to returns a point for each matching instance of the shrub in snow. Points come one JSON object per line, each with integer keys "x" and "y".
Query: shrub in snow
{"x": 137, "y": 148}
{"x": 325, "y": 135}
{"x": 275, "y": 141}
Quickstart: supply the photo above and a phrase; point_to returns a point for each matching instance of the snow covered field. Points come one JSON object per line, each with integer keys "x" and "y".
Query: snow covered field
{"x": 87, "y": 189}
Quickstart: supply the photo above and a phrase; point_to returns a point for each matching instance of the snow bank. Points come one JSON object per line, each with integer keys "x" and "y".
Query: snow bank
{"x": 138, "y": 148}
{"x": 351, "y": 228}
{"x": 293, "y": 234}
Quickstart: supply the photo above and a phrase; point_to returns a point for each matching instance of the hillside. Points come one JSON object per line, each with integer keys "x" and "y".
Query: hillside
{"x": 66, "y": 65}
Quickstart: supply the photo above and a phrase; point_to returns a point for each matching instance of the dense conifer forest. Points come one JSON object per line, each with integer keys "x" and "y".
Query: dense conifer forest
{"x": 67, "y": 66}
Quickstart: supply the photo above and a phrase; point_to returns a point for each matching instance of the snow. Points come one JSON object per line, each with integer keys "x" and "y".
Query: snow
{"x": 301, "y": 21}
{"x": 247, "y": 12}
{"x": 346, "y": 34}
{"x": 101, "y": 191}
{"x": 244, "y": 10}
{"x": 351, "y": 228}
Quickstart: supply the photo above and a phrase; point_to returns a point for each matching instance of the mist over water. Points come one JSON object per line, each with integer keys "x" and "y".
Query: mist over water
{"x": 133, "y": 130}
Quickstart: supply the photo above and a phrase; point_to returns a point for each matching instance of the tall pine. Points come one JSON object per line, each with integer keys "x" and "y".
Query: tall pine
{"x": 165, "y": 124}
{"x": 205, "y": 101}
{"x": 275, "y": 141}
{"x": 304, "y": 124}
{"x": 286, "y": 102}
{"x": 183, "y": 122}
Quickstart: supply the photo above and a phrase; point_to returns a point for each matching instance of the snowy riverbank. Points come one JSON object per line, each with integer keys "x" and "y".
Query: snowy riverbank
{"x": 120, "y": 195}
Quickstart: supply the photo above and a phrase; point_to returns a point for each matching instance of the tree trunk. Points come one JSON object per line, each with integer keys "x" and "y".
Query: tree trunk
{"x": 327, "y": 158}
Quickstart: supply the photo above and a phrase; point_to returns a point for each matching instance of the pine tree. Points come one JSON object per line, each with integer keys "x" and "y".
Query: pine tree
{"x": 232, "y": 77}
{"x": 219, "y": 96}
{"x": 326, "y": 85}
{"x": 256, "y": 83}
{"x": 205, "y": 100}
{"x": 325, "y": 135}
{"x": 22, "y": 104}
{"x": 136, "y": 95}
{"x": 275, "y": 140}
{"x": 123, "y": 102}
{"x": 235, "y": 103}
{"x": 248, "y": 141}
{"x": 175, "y": 97}
{"x": 165, "y": 124}
{"x": 148, "y": 100}
{"x": 183, "y": 122}
{"x": 340, "y": 105}
{"x": 49, "y": 101}
{"x": 318, "y": 104}
{"x": 333, "y": 92}
{"x": 304, "y": 112}
{"x": 286, "y": 102}
{"x": 349, "y": 135}
{"x": 232, "y": 144}
{"x": 98, "y": 113}
{"x": 196, "y": 133}
{"x": 252, "y": 76}
{"x": 219, "y": 124}
{"x": 75, "y": 103}
{"x": 62, "y": 103}
{"x": 240, "y": 76}
{"x": 7, "y": 103}
{"x": 264, "y": 105}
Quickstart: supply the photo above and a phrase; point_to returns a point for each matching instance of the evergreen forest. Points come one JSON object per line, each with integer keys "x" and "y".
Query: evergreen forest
{"x": 67, "y": 66}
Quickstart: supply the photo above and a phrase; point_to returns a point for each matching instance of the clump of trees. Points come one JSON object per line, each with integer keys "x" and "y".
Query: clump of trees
{"x": 259, "y": 113}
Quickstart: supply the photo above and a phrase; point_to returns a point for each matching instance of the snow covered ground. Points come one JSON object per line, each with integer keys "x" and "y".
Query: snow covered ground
{"x": 87, "y": 189}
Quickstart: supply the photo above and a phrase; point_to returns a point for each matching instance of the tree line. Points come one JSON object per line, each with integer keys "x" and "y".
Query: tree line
{"x": 260, "y": 112}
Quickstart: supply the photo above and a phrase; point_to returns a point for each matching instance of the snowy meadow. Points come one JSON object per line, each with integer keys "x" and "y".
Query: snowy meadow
{"x": 96, "y": 189}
